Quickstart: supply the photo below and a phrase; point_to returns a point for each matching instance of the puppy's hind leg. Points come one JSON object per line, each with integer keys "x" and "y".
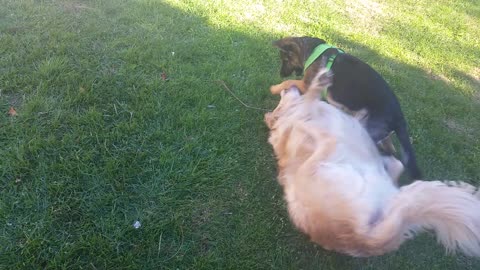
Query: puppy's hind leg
{"x": 361, "y": 115}
{"x": 386, "y": 144}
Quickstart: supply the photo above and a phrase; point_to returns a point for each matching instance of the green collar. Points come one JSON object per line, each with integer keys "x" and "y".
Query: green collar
{"x": 317, "y": 52}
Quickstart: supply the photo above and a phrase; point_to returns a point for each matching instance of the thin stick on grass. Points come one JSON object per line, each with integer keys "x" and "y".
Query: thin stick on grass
{"x": 159, "y": 244}
{"x": 179, "y": 248}
{"x": 243, "y": 103}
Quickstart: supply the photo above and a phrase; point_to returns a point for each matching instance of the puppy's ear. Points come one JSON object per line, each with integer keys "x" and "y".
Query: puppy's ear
{"x": 279, "y": 45}
{"x": 312, "y": 41}
{"x": 309, "y": 43}
{"x": 287, "y": 45}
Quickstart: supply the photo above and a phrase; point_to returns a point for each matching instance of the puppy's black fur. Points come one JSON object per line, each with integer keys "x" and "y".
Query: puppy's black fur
{"x": 355, "y": 86}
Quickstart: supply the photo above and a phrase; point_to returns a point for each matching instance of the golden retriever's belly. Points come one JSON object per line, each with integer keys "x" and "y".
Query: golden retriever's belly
{"x": 336, "y": 204}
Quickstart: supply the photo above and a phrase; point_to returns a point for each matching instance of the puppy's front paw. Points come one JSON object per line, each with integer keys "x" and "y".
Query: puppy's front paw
{"x": 276, "y": 89}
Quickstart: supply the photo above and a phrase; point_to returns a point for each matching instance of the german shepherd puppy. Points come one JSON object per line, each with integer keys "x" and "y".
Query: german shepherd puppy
{"x": 356, "y": 88}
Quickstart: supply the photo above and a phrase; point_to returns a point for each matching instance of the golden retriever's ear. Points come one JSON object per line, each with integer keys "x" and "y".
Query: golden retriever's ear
{"x": 269, "y": 119}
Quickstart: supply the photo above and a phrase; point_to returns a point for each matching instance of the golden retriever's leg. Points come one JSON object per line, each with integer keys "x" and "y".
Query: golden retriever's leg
{"x": 276, "y": 89}
{"x": 323, "y": 145}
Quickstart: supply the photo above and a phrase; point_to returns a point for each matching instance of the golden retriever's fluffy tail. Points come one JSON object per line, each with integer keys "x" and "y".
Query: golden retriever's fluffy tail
{"x": 321, "y": 82}
{"x": 452, "y": 211}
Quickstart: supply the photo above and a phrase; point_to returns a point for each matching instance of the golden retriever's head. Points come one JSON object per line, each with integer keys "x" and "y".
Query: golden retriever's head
{"x": 292, "y": 98}
{"x": 288, "y": 99}
{"x": 281, "y": 125}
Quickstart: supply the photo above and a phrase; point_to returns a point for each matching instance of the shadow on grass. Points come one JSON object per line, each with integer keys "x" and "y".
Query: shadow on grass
{"x": 182, "y": 155}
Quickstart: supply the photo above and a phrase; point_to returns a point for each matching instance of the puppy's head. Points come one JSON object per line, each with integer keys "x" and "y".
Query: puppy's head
{"x": 293, "y": 53}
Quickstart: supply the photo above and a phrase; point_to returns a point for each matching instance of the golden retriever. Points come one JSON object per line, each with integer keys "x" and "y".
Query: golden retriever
{"x": 342, "y": 193}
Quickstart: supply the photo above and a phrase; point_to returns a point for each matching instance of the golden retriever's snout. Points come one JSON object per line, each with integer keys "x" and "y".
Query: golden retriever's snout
{"x": 286, "y": 90}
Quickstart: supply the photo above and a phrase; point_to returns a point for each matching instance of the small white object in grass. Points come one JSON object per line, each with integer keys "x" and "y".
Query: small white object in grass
{"x": 173, "y": 53}
{"x": 211, "y": 106}
{"x": 137, "y": 224}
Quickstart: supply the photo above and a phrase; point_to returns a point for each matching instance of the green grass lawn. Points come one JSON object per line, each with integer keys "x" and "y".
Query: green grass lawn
{"x": 120, "y": 118}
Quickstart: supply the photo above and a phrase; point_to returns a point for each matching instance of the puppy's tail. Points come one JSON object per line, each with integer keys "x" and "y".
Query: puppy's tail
{"x": 321, "y": 82}
{"x": 451, "y": 210}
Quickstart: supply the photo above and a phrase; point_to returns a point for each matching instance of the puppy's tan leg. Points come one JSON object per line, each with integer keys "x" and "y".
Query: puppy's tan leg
{"x": 386, "y": 144}
{"x": 361, "y": 116}
{"x": 276, "y": 89}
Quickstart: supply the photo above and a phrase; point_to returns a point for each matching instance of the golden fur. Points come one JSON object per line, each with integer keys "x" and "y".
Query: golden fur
{"x": 340, "y": 193}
